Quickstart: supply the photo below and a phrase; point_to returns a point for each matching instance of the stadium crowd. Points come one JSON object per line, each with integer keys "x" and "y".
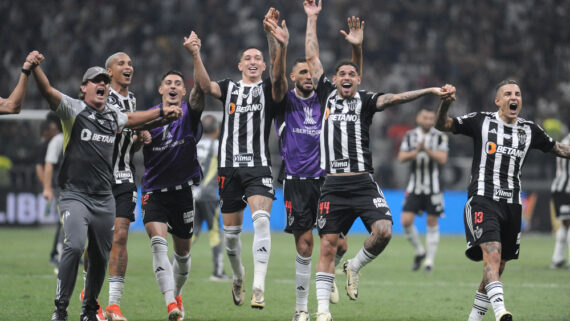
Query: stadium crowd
{"x": 409, "y": 44}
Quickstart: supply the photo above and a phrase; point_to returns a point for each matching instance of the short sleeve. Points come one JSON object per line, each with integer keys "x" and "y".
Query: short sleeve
{"x": 465, "y": 124}
{"x": 540, "y": 139}
{"x": 69, "y": 107}
{"x": 54, "y": 149}
{"x": 224, "y": 84}
{"x": 443, "y": 143}
{"x": 405, "y": 146}
{"x": 324, "y": 88}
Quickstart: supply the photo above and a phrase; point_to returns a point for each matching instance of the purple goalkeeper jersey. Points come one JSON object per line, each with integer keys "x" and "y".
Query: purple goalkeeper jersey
{"x": 298, "y": 125}
{"x": 170, "y": 160}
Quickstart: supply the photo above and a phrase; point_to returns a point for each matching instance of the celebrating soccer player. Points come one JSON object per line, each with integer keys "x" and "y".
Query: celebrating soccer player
{"x": 244, "y": 161}
{"x": 492, "y": 214}
{"x": 349, "y": 191}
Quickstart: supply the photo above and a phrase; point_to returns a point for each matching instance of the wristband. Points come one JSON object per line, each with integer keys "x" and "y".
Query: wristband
{"x": 161, "y": 111}
{"x": 26, "y": 71}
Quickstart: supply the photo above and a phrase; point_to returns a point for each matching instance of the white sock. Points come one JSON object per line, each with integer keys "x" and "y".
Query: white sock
{"x": 162, "y": 268}
{"x": 432, "y": 239}
{"x": 414, "y": 238}
{"x": 560, "y": 244}
{"x": 303, "y": 279}
{"x": 233, "y": 249}
{"x": 180, "y": 271}
{"x": 324, "y": 282}
{"x": 362, "y": 258}
{"x": 480, "y": 307}
{"x": 495, "y": 295}
{"x": 116, "y": 286}
{"x": 261, "y": 248}
{"x": 338, "y": 258}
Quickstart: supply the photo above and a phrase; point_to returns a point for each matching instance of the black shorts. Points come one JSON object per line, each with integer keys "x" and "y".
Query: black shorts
{"x": 301, "y": 201}
{"x": 237, "y": 184}
{"x": 174, "y": 208}
{"x": 561, "y": 205}
{"x": 487, "y": 220}
{"x": 344, "y": 198}
{"x": 419, "y": 203}
{"x": 125, "y": 200}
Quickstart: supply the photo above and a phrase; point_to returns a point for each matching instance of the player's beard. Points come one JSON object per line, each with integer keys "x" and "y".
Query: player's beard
{"x": 305, "y": 91}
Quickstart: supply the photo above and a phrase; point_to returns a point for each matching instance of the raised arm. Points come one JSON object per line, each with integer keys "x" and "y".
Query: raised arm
{"x": 311, "y": 41}
{"x": 442, "y": 121}
{"x": 278, "y": 73}
{"x": 355, "y": 37}
{"x": 52, "y": 95}
{"x": 561, "y": 150}
{"x": 387, "y": 100}
{"x": 13, "y": 104}
{"x": 150, "y": 118}
{"x": 272, "y": 14}
{"x": 193, "y": 45}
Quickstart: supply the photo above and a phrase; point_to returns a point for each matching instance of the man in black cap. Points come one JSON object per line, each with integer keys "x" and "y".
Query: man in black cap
{"x": 86, "y": 203}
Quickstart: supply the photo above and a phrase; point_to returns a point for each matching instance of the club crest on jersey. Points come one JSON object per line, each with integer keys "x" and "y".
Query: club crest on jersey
{"x": 256, "y": 91}
{"x": 339, "y": 163}
{"x": 522, "y": 137}
{"x": 243, "y": 158}
{"x": 112, "y": 100}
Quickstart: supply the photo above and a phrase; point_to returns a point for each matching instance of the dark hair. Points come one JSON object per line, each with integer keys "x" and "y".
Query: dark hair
{"x": 241, "y": 53}
{"x": 426, "y": 109}
{"x": 506, "y": 82}
{"x": 54, "y": 118}
{"x": 344, "y": 63}
{"x": 209, "y": 124}
{"x": 173, "y": 72}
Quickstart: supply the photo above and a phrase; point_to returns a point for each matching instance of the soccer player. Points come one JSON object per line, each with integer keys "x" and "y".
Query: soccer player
{"x": 206, "y": 205}
{"x": 13, "y": 104}
{"x": 87, "y": 205}
{"x": 426, "y": 149}
{"x": 561, "y": 198}
{"x": 244, "y": 175}
{"x": 349, "y": 191}
{"x": 299, "y": 127}
{"x": 492, "y": 214}
{"x": 171, "y": 168}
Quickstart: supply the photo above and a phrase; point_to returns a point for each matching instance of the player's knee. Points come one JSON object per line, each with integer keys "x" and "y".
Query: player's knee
{"x": 305, "y": 248}
{"x": 342, "y": 247}
{"x": 120, "y": 237}
{"x": 261, "y": 223}
{"x": 231, "y": 235}
{"x": 383, "y": 230}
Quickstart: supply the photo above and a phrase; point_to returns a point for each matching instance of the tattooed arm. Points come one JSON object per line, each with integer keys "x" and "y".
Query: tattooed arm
{"x": 311, "y": 41}
{"x": 272, "y": 14}
{"x": 561, "y": 150}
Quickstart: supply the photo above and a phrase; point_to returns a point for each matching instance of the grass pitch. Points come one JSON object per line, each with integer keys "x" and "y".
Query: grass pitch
{"x": 388, "y": 289}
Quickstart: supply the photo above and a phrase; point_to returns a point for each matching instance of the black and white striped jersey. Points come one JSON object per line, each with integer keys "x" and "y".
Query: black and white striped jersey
{"x": 246, "y": 124}
{"x": 561, "y": 182}
{"x": 499, "y": 153}
{"x": 123, "y": 167}
{"x": 424, "y": 171}
{"x": 344, "y": 141}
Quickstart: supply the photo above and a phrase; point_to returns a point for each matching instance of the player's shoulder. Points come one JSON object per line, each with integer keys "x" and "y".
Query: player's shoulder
{"x": 471, "y": 116}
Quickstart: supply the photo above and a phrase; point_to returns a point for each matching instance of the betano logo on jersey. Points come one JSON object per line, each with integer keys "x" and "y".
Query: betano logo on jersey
{"x": 87, "y": 135}
{"x": 493, "y": 148}
{"x": 245, "y": 109}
